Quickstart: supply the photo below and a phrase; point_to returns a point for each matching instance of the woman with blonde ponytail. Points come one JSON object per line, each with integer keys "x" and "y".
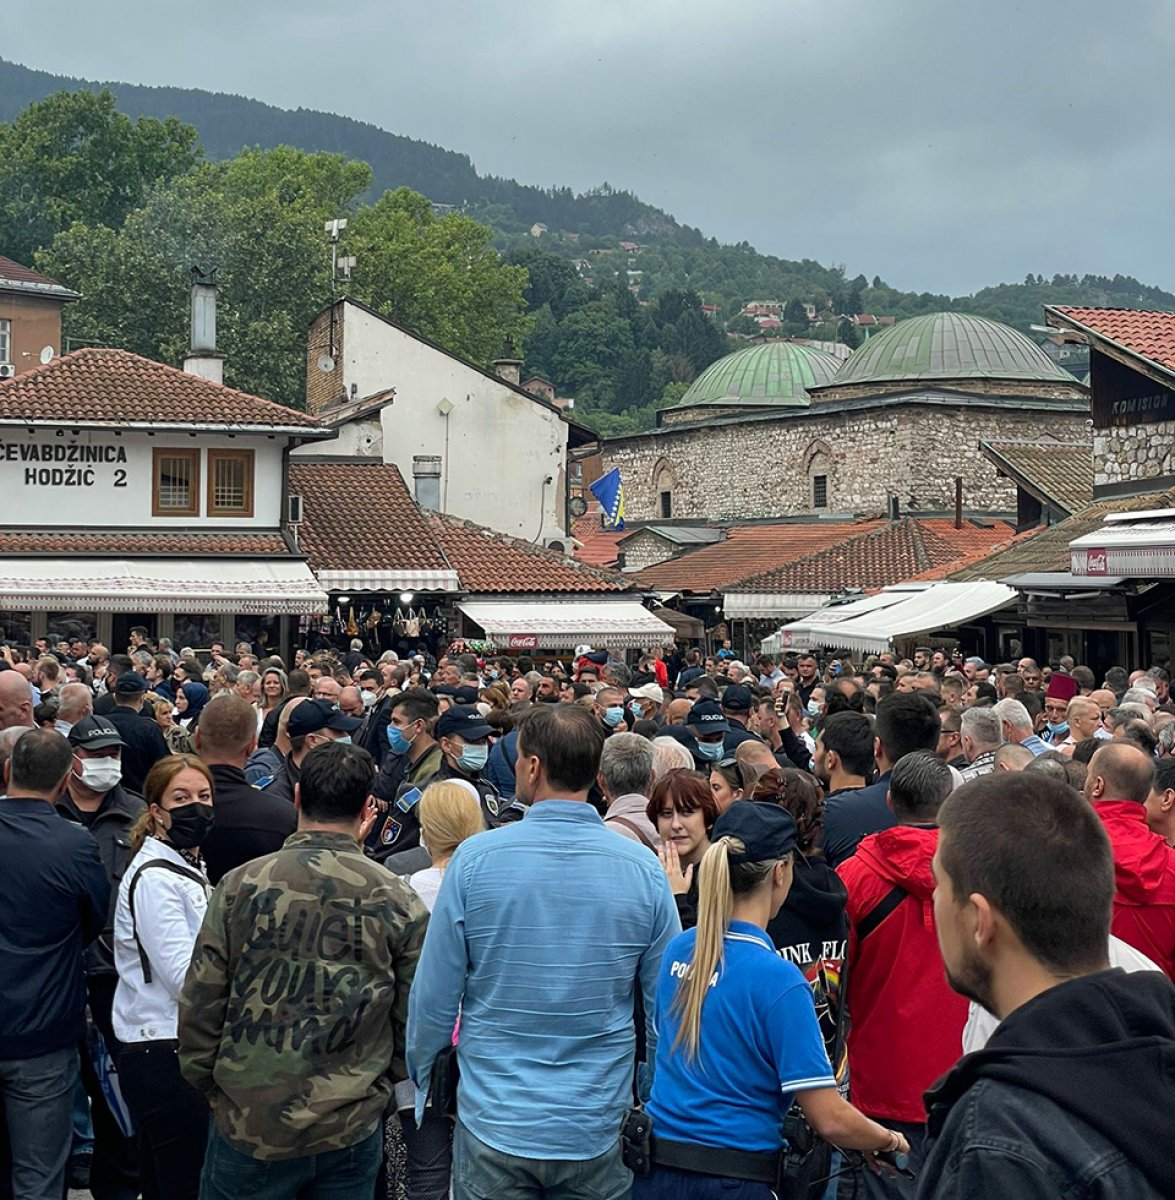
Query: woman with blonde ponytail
{"x": 739, "y": 1040}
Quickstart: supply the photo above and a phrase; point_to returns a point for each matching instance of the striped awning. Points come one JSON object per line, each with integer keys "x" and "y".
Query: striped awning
{"x": 390, "y": 580}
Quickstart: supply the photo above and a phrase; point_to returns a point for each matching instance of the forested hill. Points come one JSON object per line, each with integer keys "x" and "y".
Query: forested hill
{"x": 587, "y": 228}
{"x": 227, "y": 122}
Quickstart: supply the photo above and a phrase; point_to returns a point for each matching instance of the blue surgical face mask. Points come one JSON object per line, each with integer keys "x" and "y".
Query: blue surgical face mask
{"x": 345, "y": 740}
{"x": 495, "y": 674}
{"x": 613, "y": 715}
{"x": 813, "y": 708}
{"x": 712, "y": 751}
{"x": 1057, "y": 730}
{"x": 397, "y": 741}
{"x": 473, "y": 758}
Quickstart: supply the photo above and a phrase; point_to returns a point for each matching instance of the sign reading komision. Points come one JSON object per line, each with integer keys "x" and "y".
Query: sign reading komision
{"x": 69, "y": 464}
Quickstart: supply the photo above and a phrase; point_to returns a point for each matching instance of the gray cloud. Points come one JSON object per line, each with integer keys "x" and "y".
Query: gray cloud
{"x": 943, "y": 146}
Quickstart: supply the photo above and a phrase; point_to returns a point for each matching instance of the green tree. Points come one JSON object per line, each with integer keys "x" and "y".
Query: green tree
{"x": 439, "y": 276}
{"x": 71, "y": 157}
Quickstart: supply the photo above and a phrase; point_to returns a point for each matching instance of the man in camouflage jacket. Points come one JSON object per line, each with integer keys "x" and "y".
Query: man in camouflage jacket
{"x": 293, "y": 1014}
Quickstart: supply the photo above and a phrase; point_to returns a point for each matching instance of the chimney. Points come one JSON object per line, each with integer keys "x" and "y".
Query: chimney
{"x": 506, "y": 366}
{"x": 426, "y": 479}
{"x": 202, "y": 359}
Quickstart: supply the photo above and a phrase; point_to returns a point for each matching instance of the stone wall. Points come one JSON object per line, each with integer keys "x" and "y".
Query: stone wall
{"x": 1120, "y": 453}
{"x": 645, "y": 549}
{"x": 760, "y": 468}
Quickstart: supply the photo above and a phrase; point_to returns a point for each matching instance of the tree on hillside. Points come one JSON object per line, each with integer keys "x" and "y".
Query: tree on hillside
{"x": 258, "y": 220}
{"x": 438, "y": 275}
{"x": 71, "y": 157}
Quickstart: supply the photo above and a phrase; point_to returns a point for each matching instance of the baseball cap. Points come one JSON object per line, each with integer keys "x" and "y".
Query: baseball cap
{"x": 465, "y": 695}
{"x": 648, "y": 691}
{"x": 130, "y": 684}
{"x": 95, "y": 733}
{"x": 706, "y": 717}
{"x": 737, "y": 698}
{"x": 312, "y": 715}
{"x": 765, "y": 830}
{"x": 463, "y": 721}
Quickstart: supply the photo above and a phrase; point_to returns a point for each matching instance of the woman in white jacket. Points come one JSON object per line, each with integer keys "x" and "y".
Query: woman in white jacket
{"x": 161, "y": 903}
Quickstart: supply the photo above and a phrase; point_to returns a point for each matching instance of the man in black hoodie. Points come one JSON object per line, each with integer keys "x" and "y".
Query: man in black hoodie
{"x": 1073, "y": 1094}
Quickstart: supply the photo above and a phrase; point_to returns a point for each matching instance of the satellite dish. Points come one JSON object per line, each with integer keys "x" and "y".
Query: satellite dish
{"x": 326, "y": 364}
{"x": 48, "y": 354}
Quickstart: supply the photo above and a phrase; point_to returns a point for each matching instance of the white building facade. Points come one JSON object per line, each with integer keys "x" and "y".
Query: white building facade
{"x": 474, "y": 444}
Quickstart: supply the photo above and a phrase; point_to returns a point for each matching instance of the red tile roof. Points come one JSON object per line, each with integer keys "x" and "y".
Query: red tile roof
{"x": 599, "y": 548}
{"x": 747, "y": 550}
{"x": 116, "y": 387}
{"x": 1145, "y": 333}
{"x": 190, "y": 545}
{"x": 492, "y": 562}
{"x": 878, "y": 558}
{"x": 14, "y": 272}
{"x": 361, "y": 517}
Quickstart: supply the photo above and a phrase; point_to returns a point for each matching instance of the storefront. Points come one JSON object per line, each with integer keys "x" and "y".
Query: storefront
{"x": 536, "y": 625}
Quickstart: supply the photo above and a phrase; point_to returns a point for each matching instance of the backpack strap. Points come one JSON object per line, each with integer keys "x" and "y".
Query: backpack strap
{"x": 876, "y": 915}
{"x": 164, "y": 864}
{"x": 642, "y": 837}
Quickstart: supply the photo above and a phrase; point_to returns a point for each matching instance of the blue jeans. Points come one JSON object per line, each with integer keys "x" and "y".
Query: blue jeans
{"x": 37, "y": 1094}
{"x": 483, "y": 1173}
{"x": 336, "y": 1175}
{"x": 667, "y": 1183}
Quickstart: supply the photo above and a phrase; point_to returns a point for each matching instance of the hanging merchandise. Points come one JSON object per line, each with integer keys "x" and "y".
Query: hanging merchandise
{"x": 412, "y": 625}
{"x": 352, "y": 624}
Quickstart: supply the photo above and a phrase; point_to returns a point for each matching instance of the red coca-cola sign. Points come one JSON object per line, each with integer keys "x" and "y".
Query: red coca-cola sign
{"x": 522, "y": 641}
{"x": 1096, "y": 562}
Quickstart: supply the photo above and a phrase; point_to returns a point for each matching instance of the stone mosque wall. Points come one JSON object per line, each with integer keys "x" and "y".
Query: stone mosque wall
{"x": 761, "y": 468}
{"x": 1121, "y": 453}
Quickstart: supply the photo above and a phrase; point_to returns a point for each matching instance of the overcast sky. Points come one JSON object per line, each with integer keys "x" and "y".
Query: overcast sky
{"x": 942, "y": 145}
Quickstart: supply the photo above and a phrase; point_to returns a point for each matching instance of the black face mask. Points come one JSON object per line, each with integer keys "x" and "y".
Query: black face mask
{"x": 190, "y": 825}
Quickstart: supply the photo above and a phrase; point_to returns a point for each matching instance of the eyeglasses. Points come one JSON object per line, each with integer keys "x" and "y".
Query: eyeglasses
{"x": 727, "y": 762}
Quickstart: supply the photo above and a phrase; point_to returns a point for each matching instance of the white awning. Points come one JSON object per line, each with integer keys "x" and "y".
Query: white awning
{"x": 559, "y": 624}
{"x": 939, "y": 606}
{"x": 755, "y": 605}
{"x": 267, "y": 587}
{"x": 390, "y": 581}
{"x": 798, "y": 633}
{"x": 1128, "y": 544}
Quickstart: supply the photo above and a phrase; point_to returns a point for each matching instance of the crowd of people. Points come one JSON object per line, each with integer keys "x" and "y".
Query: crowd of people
{"x": 492, "y": 927}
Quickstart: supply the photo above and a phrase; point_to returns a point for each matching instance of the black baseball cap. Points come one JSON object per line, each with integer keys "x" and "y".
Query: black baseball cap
{"x": 130, "y": 684}
{"x": 465, "y": 722}
{"x": 95, "y": 733}
{"x": 312, "y": 715}
{"x": 737, "y": 698}
{"x": 465, "y": 695}
{"x": 706, "y": 717}
{"x": 765, "y": 830}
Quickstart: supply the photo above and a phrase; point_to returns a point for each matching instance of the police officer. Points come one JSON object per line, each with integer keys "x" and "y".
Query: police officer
{"x": 412, "y": 757}
{"x": 737, "y": 702}
{"x": 738, "y": 1034}
{"x": 97, "y": 797}
{"x": 707, "y": 722}
{"x": 250, "y": 821}
{"x": 144, "y": 744}
{"x": 311, "y": 723}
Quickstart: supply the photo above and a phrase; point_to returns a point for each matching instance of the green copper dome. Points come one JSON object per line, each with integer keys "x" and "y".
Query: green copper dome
{"x": 942, "y": 346}
{"x": 770, "y": 374}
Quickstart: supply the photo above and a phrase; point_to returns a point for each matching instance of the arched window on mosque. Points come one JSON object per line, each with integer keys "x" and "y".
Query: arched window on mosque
{"x": 664, "y": 485}
{"x": 818, "y": 472}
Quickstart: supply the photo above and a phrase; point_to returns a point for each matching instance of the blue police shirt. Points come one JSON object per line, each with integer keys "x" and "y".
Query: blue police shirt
{"x": 760, "y": 1044}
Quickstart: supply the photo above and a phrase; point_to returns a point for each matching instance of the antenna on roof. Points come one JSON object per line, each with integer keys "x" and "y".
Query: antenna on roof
{"x": 341, "y": 266}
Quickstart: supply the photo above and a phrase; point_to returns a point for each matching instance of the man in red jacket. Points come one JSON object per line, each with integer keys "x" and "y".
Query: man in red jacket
{"x": 906, "y": 1023}
{"x": 1118, "y": 785}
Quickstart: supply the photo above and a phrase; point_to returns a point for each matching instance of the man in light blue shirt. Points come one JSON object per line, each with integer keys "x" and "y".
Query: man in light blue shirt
{"x": 541, "y": 930}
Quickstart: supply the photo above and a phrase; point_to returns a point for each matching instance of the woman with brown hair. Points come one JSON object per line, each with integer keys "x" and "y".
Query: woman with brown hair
{"x": 683, "y": 808}
{"x": 161, "y": 903}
